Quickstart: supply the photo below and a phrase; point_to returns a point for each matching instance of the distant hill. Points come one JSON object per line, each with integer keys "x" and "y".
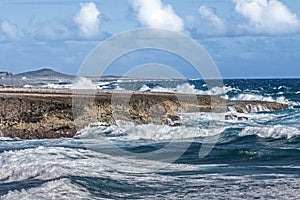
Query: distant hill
{"x": 43, "y": 73}
{"x": 50, "y": 73}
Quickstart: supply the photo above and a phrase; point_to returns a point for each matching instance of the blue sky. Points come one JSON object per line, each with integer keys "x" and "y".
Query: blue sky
{"x": 246, "y": 38}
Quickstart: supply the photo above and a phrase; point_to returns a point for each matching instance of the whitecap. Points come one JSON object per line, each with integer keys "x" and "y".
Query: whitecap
{"x": 275, "y": 132}
{"x": 145, "y": 88}
{"x": 128, "y": 131}
{"x": 256, "y": 97}
{"x": 58, "y": 86}
{"x": 187, "y": 88}
{"x": 27, "y": 86}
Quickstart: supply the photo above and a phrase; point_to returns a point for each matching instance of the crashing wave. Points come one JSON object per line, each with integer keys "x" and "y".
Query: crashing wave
{"x": 250, "y": 108}
{"x": 190, "y": 89}
{"x": 154, "y": 132}
{"x": 256, "y": 97}
{"x": 274, "y": 132}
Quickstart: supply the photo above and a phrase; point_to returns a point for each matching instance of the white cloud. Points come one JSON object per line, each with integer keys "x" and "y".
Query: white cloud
{"x": 53, "y": 30}
{"x": 154, "y": 13}
{"x": 207, "y": 22}
{"x": 10, "y": 30}
{"x": 88, "y": 20}
{"x": 209, "y": 15}
{"x": 267, "y": 16}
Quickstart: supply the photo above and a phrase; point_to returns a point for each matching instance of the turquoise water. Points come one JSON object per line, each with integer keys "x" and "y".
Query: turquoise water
{"x": 257, "y": 157}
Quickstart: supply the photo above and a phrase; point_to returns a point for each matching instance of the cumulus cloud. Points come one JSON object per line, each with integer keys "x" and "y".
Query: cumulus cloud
{"x": 215, "y": 21}
{"x": 10, "y": 30}
{"x": 207, "y": 22}
{"x": 88, "y": 20}
{"x": 154, "y": 13}
{"x": 267, "y": 16}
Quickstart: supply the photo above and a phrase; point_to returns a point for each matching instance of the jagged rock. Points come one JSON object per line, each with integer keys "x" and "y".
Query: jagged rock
{"x": 49, "y": 113}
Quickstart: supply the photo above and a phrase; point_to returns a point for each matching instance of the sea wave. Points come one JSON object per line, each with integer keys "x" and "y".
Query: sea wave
{"x": 151, "y": 132}
{"x": 190, "y": 89}
{"x": 50, "y": 85}
{"x": 257, "y": 97}
{"x": 58, "y": 86}
{"x": 61, "y": 188}
{"x": 6, "y": 138}
{"x": 59, "y": 172}
{"x": 224, "y": 92}
{"x": 274, "y": 132}
{"x": 63, "y": 173}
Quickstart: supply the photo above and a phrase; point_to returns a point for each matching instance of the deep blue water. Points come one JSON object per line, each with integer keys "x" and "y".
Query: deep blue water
{"x": 257, "y": 157}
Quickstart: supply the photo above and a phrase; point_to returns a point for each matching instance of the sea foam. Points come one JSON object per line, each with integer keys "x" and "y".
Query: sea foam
{"x": 275, "y": 132}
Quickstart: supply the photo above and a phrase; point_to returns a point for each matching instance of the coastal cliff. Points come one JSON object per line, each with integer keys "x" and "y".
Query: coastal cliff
{"x": 50, "y": 113}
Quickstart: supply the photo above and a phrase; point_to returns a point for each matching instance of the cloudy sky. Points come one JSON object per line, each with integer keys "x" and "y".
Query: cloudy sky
{"x": 246, "y": 38}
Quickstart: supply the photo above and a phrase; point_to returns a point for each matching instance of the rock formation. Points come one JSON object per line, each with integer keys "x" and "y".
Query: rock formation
{"x": 49, "y": 113}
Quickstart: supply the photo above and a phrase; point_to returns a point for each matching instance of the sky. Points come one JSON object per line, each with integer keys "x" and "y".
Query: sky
{"x": 245, "y": 38}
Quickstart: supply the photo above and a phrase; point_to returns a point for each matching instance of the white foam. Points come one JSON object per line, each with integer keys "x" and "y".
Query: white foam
{"x": 102, "y": 83}
{"x": 145, "y": 88}
{"x": 6, "y": 138}
{"x": 202, "y": 116}
{"x": 58, "y": 86}
{"x": 27, "y": 86}
{"x": 164, "y": 132}
{"x": 262, "y": 117}
{"x": 46, "y": 163}
{"x": 250, "y": 109}
{"x": 251, "y": 97}
{"x": 57, "y": 189}
{"x": 84, "y": 83}
{"x": 129, "y": 131}
{"x": 51, "y": 86}
{"x": 186, "y": 88}
{"x": 282, "y": 87}
{"x": 131, "y": 80}
{"x": 256, "y": 97}
{"x": 56, "y": 164}
{"x": 275, "y": 132}
{"x": 190, "y": 89}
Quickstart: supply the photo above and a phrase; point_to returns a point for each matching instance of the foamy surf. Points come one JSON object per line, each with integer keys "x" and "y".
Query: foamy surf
{"x": 187, "y": 88}
{"x": 274, "y": 132}
{"x": 148, "y": 132}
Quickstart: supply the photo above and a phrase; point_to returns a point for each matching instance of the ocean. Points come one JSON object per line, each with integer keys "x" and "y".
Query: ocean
{"x": 254, "y": 155}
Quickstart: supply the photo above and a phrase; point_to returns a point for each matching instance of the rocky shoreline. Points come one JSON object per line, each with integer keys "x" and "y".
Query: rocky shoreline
{"x": 53, "y": 113}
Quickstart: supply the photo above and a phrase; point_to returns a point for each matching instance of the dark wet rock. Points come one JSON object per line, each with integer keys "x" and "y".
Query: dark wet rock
{"x": 235, "y": 117}
{"x": 243, "y": 118}
{"x": 173, "y": 117}
{"x": 230, "y": 117}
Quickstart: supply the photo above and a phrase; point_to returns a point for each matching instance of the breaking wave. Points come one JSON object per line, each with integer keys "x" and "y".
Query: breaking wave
{"x": 150, "y": 132}
{"x": 274, "y": 132}
{"x": 189, "y": 89}
{"x": 256, "y": 97}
